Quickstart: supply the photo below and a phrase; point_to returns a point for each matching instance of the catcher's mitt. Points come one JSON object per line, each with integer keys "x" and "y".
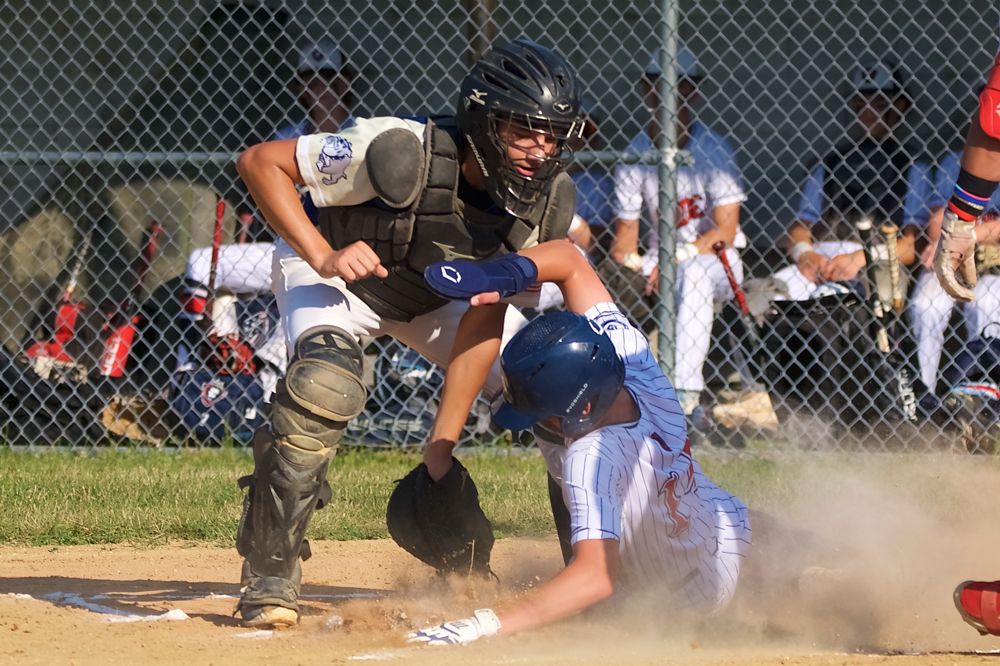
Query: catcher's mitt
{"x": 441, "y": 523}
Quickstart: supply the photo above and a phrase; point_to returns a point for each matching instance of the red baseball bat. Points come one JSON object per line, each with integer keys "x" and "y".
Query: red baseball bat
{"x": 220, "y": 213}
{"x": 748, "y": 376}
{"x": 720, "y": 250}
{"x": 246, "y": 219}
{"x": 123, "y": 324}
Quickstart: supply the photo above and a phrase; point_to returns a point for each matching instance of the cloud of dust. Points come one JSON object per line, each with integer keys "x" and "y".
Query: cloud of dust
{"x": 864, "y": 558}
{"x": 869, "y": 553}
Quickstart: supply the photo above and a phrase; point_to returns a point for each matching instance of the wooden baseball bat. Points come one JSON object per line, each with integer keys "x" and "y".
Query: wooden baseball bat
{"x": 904, "y": 381}
{"x": 891, "y": 232}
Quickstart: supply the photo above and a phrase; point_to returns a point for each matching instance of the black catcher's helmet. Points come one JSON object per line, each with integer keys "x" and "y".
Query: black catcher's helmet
{"x": 530, "y": 88}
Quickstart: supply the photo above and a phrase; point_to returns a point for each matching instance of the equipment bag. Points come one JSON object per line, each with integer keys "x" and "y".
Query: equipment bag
{"x": 212, "y": 406}
{"x": 819, "y": 358}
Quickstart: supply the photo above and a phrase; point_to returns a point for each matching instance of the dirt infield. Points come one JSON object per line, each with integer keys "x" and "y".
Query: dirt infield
{"x": 99, "y": 605}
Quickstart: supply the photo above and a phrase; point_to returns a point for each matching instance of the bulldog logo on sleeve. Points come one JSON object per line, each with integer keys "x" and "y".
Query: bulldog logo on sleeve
{"x": 334, "y": 157}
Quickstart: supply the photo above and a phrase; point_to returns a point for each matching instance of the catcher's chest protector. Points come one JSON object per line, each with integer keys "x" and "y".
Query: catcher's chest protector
{"x": 428, "y": 222}
{"x": 866, "y": 179}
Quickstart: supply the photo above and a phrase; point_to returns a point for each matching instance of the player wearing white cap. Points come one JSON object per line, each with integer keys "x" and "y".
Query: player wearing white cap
{"x": 709, "y": 195}
{"x": 324, "y": 89}
{"x": 643, "y": 516}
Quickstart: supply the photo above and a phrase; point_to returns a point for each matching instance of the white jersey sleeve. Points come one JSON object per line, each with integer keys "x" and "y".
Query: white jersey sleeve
{"x": 333, "y": 165}
{"x": 594, "y": 492}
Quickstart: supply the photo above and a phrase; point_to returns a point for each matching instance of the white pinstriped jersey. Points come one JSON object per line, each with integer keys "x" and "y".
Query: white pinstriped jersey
{"x": 637, "y": 483}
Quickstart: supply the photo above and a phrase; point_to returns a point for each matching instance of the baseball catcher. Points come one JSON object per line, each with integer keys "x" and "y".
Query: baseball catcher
{"x": 394, "y": 196}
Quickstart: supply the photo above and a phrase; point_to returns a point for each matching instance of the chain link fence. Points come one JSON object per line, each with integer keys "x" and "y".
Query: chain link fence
{"x": 804, "y": 120}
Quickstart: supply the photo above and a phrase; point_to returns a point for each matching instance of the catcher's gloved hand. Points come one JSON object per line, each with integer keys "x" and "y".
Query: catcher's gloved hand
{"x": 458, "y": 632}
{"x": 461, "y": 280}
{"x": 957, "y": 253}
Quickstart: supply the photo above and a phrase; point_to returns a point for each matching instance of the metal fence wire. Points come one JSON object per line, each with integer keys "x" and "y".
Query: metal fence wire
{"x": 807, "y": 128}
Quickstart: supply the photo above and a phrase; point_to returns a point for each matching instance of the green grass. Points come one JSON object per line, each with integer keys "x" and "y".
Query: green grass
{"x": 150, "y": 498}
{"x": 192, "y": 495}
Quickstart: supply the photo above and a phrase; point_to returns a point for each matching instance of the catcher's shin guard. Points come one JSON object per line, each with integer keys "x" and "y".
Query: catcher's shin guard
{"x": 309, "y": 412}
{"x": 286, "y": 490}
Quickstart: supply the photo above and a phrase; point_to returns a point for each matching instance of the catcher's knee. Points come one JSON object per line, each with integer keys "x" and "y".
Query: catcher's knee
{"x": 322, "y": 390}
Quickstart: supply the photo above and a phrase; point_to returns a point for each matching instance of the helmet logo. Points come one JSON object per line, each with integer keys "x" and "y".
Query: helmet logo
{"x": 478, "y": 97}
{"x": 579, "y": 395}
{"x": 451, "y": 274}
{"x": 562, "y": 106}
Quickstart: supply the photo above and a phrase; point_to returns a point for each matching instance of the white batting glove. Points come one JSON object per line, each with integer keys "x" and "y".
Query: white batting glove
{"x": 956, "y": 253}
{"x": 458, "y": 632}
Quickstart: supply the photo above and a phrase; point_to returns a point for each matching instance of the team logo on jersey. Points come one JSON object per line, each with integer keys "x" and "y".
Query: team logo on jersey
{"x": 211, "y": 392}
{"x": 335, "y": 155}
{"x": 451, "y": 274}
{"x": 562, "y": 106}
{"x": 689, "y": 209}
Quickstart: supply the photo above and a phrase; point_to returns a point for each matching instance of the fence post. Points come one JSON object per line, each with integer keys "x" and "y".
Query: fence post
{"x": 667, "y": 87}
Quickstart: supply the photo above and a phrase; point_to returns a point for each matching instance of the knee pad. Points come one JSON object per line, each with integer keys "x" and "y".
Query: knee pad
{"x": 322, "y": 389}
{"x": 300, "y": 427}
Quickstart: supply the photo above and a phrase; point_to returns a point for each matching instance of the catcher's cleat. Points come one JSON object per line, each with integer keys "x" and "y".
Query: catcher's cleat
{"x": 269, "y": 601}
{"x": 268, "y": 617}
{"x": 977, "y": 604}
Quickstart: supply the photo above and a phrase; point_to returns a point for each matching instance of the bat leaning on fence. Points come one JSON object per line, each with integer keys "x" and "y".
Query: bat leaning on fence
{"x": 883, "y": 321}
{"x": 122, "y": 324}
{"x": 66, "y": 313}
{"x": 753, "y": 409}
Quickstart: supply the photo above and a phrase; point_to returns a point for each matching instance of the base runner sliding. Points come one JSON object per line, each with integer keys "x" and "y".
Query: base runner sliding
{"x": 643, "y": 516}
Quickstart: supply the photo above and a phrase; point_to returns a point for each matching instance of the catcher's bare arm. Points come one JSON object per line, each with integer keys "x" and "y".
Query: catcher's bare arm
{"x": 477, "y": 345}
{"x": 271, "y": 173}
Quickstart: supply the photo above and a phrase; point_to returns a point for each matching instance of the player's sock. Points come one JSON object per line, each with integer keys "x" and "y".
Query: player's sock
{"x": 970, "y": 196}
{"x": 460, "y": 280}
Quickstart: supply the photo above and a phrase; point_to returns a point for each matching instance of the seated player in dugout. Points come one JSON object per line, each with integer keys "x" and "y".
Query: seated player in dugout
{"x": 873, "y": 176}
{"x": 710, "y": 193}
{"x": 955, "y": 265}
{"x": 642, "y": 516}
{"x": 393, "y": 196}
{"x": 324, "y": 86}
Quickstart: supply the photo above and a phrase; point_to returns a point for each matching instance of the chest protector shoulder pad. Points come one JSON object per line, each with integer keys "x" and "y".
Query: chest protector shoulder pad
{"x": 418, "y": 220}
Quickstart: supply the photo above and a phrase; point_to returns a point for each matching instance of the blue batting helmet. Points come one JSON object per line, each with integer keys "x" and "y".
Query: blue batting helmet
{"x": 561, "y": 364}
